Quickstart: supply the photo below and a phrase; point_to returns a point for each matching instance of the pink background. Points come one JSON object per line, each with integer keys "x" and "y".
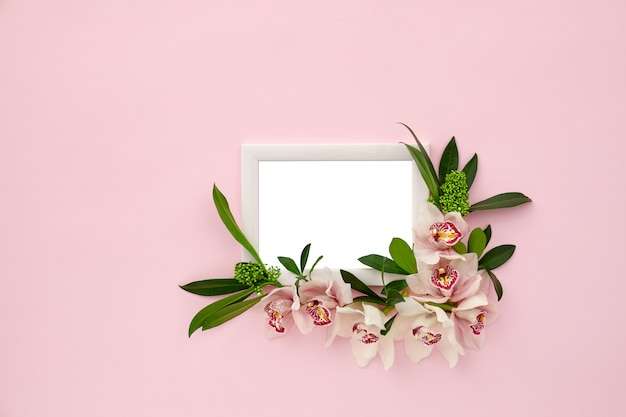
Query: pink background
{"x": 117, "y": 116}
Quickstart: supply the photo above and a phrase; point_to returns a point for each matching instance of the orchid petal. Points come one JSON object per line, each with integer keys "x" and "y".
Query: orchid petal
{"x": 302, "y": 321}
{"x": 428, "y": 255}
{"x": 420, "y": 283}
{"x": 467, "y": 288}
{"x": 337, "y": 288}
{"x": 441, "y": 315}
{"x": 333, "y": 331}
{"x": 468, "y": 266}
{"x": 373, "y": 316}
{"x": 416, "y": 350}
{"x": 450, "y": 349}
{"x": 410, "y": 307}
{"x": 363, "y": 353}
{"x": 428, "y": 214}
{"x": 386, "y": 351}
{"x": 311, "y": 289}
{"x": 485, "y": 282}
{"x": 474, "y": 301}
{"x": 459, "y": 222}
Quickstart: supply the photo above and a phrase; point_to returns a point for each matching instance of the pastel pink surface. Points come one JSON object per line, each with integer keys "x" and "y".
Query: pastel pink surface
{"x": 116, "y": 118}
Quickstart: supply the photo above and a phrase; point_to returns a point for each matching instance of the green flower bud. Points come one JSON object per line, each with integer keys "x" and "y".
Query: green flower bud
{"x": 253, "y": 274}
{"x": 454, "y": 195}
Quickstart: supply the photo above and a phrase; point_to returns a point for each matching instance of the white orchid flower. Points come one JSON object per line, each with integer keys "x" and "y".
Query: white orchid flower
{"x": 362, "y": 323}
{"x": 424, "y": 327}
{"x": 435, "y": 234}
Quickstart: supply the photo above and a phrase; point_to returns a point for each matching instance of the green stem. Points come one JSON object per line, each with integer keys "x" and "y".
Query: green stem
{"x": 387, "y": 309}
{"x": 272, "y": 283}
{"x": 445, "y": 307}
{"x": 314, "y": 265}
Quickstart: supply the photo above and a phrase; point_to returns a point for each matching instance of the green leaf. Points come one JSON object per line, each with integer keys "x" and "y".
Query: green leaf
{"x": 429, "y": 163}
{"x": 398, "y": 285}
{"x": 304, "y": 257}
{"x": 488, "y": 233}
{"x": 359, "y": 285}
{"x": 477, "y": 242}
{"x": 315, "y": 264}
{"x": 228, "y": 313}
{"x": 371, "y": 300}
{"x": 376, "y": 262}
{"x": 449, "y": 160}
{"x": 199, "y": 318}
{"x": 430, "y": 178}
{"x": 460, "y": 248}
{"x": 497, "y": 256}
{"x": 217, "y": 286}
{"x": 497, "y": 285}
{"x": 388, "y": 325}
{"x": 223, "y": 209}
{"x": 470, "y": 170}
{"x": 402, "y": 255}
{"x": 503, "y": 200}
{"x": 289, "y": 264}
{"x": 394, "y": 297}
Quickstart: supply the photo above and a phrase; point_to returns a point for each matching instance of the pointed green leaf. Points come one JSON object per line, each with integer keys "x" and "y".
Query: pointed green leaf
{"x": 304, "y": 257}
{"x": 402, "y": 255}
{"x": 314, "y": 265}
{"x": 422, "y": 165}
{"x": 503, "y": 200}
{"x": 460, "y": 248}
{"x": 388, "y": 325}
{"x": 398, "y": 285}
{"x": 477, "y": 242}
{"x": 359, "y": 285}
{"x": 449, "y": 160}
{"x": 223, "y": 209}
{"x": 376, "y": 262}
{"x": 217, "y": 286}
{"x": 228, "y": 313}
{"x": 496, "y": 284}
{"x": 497, "y": 256}
{"x": 289, "y": 264}
{"x": 488, "y": 233}
{"x": 199, "y": 318}
{"x": 428, "y": 163}
{"x": 371, "y": 300}
{"x": 470, "y": 170}
{"x": 394, "y": 297}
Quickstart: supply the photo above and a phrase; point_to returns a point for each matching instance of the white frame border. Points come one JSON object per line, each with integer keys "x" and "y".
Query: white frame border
{"x": 252, "y": 154}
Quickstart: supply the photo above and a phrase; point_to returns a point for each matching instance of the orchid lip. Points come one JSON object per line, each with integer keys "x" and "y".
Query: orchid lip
{"x": 426, "y": 337}
{"x": 365, "y": 336}
{"x": 444, "y": 277}
{"x": 479, "y": 324}
{"x": 319, "y": 313}
{"x": 275, "y": 316}
{"x": 445, "y": 232}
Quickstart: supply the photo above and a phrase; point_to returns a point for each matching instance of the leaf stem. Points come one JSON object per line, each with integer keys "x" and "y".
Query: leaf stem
{"x": 446, "y": 306}
{"x": 387, "y": 310}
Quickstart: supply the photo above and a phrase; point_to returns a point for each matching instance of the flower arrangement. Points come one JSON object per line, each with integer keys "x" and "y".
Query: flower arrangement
{"x": 438, "y": 295}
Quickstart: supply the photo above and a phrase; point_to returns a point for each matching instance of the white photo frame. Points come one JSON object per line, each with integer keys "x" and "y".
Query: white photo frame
{"x": 323, "y": 187}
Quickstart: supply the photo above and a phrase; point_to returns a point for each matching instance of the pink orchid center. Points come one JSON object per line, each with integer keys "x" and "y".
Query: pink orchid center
{"x": 319, "y": 313}
{"x": 445, "y": 232}
{"x": 364, "y": 336}
{"x": 275, "y": 311}
{"x": 428, "y": 338}
{"x": 479, "y": 323}
{"x": 444, "y": 277}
